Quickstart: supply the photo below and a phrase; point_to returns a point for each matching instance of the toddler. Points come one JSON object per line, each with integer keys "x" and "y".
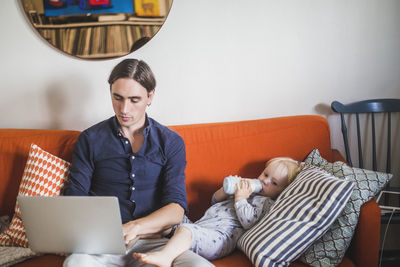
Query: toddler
{"x": 216, "y": 233}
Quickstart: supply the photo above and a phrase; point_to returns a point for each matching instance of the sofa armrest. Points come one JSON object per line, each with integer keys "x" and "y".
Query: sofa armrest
{"x": 366, "y": 239}
{"x": 364, "y": 249}
{"x": 336, "y": 156}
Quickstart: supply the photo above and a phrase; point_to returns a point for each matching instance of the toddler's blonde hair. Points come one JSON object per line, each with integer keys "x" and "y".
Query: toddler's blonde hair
{"x": 293, "y": 167}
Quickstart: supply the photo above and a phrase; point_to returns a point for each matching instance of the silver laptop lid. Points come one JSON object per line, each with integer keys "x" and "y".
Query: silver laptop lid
{"x": 392, "y": 201}
{"x": 69, "y": 224}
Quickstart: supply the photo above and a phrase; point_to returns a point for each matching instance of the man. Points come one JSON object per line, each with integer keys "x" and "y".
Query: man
{"x": 138, "y": 160}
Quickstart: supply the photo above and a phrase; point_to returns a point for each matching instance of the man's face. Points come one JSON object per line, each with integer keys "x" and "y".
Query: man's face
{"x": 130, "y": 100}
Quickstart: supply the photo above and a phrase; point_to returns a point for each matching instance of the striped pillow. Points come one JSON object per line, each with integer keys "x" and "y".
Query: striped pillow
{"x": 301, "y": 214}
{"x": 330, "y": 249}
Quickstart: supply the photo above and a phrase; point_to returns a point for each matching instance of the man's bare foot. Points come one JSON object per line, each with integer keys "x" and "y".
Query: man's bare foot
{"x": 157, "y": 258}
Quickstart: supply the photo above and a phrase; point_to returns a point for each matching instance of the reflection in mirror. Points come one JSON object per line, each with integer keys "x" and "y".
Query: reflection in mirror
{"x": 97, "y": 29}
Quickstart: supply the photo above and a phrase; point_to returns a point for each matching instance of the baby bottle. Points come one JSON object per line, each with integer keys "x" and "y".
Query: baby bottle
{"x": 230, "y": 182}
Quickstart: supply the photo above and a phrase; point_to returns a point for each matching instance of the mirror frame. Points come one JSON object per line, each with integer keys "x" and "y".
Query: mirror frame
{"x": 96, "y": 36}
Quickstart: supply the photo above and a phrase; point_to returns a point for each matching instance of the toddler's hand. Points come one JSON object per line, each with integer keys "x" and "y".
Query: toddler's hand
{"x": 243, "y": 190}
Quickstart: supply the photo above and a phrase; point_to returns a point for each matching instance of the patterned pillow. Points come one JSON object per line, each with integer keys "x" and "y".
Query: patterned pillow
{"x": 330, "y": 249}
{"x": 301, "y": 214}
{"x": 44, "y": 175}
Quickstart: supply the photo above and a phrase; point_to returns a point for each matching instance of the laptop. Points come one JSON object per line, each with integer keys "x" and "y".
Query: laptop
{"x": 389, "y": 201}
{"x": 73, "y": 224}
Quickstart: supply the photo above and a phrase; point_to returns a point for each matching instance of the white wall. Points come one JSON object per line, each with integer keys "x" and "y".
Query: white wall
{"x": 215, "y": 60}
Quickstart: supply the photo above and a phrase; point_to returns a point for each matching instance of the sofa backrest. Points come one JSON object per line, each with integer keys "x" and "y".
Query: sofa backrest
{"x": 214, "y": 151}
{"x": 14, "y": 148}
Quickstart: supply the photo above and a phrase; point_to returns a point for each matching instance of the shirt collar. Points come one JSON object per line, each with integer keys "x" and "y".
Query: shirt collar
{"x": 117, "y": 129}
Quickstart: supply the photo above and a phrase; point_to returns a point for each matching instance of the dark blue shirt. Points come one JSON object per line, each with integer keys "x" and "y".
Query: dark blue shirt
{"x": 103, "y": 164}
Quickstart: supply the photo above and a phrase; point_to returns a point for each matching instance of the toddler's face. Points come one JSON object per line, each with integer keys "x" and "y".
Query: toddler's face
{"x": 273, "y": 180}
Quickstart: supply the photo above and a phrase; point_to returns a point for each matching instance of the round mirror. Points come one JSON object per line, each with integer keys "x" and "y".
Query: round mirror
{"x": 97, "y": 29}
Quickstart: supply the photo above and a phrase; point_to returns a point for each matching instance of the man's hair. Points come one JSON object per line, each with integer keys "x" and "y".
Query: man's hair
{"x": 293, "y": 167}
{"x": 135, "y": 69}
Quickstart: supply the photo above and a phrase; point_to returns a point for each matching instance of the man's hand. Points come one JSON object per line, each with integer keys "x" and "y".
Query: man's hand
{"x": 131, "y": 231}
{"x": 152, "y": 225}
{"x": 243, "y": 190}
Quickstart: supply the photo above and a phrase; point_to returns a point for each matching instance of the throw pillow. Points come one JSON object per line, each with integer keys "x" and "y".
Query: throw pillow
{"x": 330, "y": 249}
{"x": 44, "y": 175}
{"x": 301, "y": 214}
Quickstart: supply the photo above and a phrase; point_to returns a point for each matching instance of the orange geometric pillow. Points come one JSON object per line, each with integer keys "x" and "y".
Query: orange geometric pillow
{"x": 44, "y": 175}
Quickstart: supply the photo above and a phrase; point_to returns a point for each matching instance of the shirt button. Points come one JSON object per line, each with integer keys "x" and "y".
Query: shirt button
{"x": 133, "y": 175}
{"x": 133, "y": 157}
{"x": 133, "y": 188}
{"x": 126, "y": 142}
{"x": 133, "y": 201}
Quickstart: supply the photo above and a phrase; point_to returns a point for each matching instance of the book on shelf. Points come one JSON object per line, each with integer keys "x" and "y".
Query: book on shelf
{"x": 129, "y": 37}
{"x": 35, "y": 18}
{"x": 74, "y": 42}
{"x": 150, "y": 8}
{"x": 136, "y": 33}
{"x": 109, "y": 39}
{"x": 116, "y": 17}
{"x": 125, "y": 39}
{"x": 102, "y": 44}
{"x": 81, "y": 41}
{"x": 95, "y": 42}
{"x": 117, "y": 39}
{"x": 88, "y": 38}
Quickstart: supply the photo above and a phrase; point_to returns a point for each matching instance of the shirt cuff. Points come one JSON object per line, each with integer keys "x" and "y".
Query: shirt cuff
{"x": 241, "y": 203}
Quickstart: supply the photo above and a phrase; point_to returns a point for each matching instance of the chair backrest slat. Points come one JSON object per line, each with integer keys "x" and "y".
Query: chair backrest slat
{"x": 389, "y": 137}
{"x": 360, "y": 157}
{"x": 346, "y": 141}
{"x": 373, "y": 142}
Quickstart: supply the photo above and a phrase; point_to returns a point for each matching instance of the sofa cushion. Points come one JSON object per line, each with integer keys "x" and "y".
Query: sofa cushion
{"x": 330, "y": 249}
{"x": 9, "y": 256}
{"x": 301, "y": 214}
{"x": 44, "y": 175}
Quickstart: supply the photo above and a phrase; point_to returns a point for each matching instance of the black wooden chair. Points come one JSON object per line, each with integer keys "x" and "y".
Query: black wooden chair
{"x": 370, "y": 108}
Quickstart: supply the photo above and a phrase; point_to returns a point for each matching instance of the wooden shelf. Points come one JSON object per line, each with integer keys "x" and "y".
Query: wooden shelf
{"x": 131, "y": 21}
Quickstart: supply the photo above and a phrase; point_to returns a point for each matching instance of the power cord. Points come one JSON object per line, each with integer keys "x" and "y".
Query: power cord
{"x": 384, "y": 238}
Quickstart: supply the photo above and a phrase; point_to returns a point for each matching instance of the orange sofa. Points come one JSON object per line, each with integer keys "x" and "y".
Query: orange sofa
{"x": 214, "y": 151}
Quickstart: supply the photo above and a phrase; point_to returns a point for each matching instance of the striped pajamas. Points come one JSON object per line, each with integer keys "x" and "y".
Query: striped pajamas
{"x": 216, "y": 233}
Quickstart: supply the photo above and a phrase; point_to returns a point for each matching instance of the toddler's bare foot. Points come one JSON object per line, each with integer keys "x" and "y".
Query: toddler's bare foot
{"x": 157, "y": 258}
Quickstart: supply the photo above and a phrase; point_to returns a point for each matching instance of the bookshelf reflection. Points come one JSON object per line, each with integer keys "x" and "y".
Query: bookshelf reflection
{"x": 87, "y": 30}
